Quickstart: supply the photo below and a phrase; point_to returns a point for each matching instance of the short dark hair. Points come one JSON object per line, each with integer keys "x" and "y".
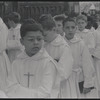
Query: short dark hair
{"x": 59, "y": 17}
{"x": 47, "y": 21}
{"x": 30, "y": 27}
{"x": 14, "y": 16}
{"x": 68, "y": 19}
{"x": 29, "y": 21}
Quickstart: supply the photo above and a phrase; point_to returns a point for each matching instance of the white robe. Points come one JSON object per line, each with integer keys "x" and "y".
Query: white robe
{"x": 96, "y": 55}
{"x": 98, "y": 29}
{"x": 13, "y": 43}
{"x": 43, "y": 69}
{"x": 83, "y": 69}
{"x": 4, "y": 61}
{"x": 59, "y": 50}
{"x": 88, "y": 38}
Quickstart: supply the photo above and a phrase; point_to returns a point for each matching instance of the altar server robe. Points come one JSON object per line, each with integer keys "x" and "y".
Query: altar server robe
{"x": 83, "y": 69}
{"x": 13, "y": 43}
{"x": 60, "y": 51}
{"x": 96, "y": 54}
{"x": 42, "y": 68}
{"x": 4, "y": 61}
{"x": 88, "y": 38}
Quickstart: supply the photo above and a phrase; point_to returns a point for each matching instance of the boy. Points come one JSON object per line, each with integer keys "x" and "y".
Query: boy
{"x": 33, "y": 71}
{"x": 58, "y": 20}
{"x": 84, "y": 33}
{"x": 59, "y": 50}
{"x": 83, "y": 69}
{"x": 13, "y": 41}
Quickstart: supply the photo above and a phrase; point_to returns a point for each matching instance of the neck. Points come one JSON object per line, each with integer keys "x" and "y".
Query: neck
{"x": 14, "y": 25}
{"x": 54, "y": 36}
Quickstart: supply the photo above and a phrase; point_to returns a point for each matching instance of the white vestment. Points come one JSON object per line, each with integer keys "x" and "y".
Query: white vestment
{"x": 96, "y": 55}
{"x": 13, "y": 43}
{"x": 88, "y": 38}
{"x": 4, "y": 61}
{"x": 32, "y": 77}
{"x": 83, "y": 69}
{"x": 60, "y": 51}
{"x": 98, "y": 29}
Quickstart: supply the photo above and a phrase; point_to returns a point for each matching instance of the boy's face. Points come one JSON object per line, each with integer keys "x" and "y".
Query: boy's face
{"x": 59, "y": 27}
{"x": 81, "y": 24}
{"x": 48, "y": 34}
{"x": 10, "y": 23}
{"x": 69, "y": 29}
{"x": 32, "y": 42}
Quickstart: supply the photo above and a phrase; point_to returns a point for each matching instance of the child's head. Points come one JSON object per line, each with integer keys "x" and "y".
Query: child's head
{"x": 29, "y": 21}
{"x": 13, "y": 18}
{"x": 69, "y": 27}
{"x": 81, "y": 22}
{"x": 31, "y": 38}
{"x": 58, "y": 20}
{"x": 49, "y": 26}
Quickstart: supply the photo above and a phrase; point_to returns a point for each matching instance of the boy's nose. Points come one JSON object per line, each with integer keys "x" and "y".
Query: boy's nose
{"x": 35, "y": 41}
{"x": 70, "y": 29}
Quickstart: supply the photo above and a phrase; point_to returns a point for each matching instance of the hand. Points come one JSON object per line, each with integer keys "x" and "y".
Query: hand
{"x": 56, "y": 60}
{"x": 86, "y": 90}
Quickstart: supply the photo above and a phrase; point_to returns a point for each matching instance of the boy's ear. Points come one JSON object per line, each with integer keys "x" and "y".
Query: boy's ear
{"x": 21, "y": 41}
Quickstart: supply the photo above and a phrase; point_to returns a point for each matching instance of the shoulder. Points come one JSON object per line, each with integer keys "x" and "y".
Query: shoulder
{"x": 16, "y": 62}
{"x": 60, "y": 41}
{"x": 49, "y": 60}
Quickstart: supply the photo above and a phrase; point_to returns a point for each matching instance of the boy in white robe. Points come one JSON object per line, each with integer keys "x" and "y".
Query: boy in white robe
{"x": 13, "y": 40}
{"x": 60, "y": 51}
{"x": 96, "y": 57}
{"x": 58, "y": 20}
{"x": 83, "y": 69}
{"x": 33, "y": 71}
{"x": 84, "y": 33}
{"x": 4, "y": 61}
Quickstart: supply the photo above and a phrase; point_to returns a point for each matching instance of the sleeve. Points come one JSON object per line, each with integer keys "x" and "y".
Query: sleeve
{"x": 65, "y": 63}
{"x": 87, "y": 66}
{"x": 15, "y": 89}
{"x": 91, "y": 42}
{"x": 96, "y": 52}
{"x": 3, "y": 37}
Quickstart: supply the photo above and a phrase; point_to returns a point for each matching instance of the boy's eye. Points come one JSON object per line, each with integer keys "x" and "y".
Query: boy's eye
{"x": 39, "y": 39}
{"x": 59, "y": 25}
{"x": 30, "y": 39}
{"x": 73, "y": 27}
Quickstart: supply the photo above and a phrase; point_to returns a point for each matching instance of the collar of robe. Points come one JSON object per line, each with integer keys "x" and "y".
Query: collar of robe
{"x": 98, "y": 27}
{"x": 42, "y": 54}
{"x": 59, "y": 41}
{"x": 1, "y": 23}
{"x": 74, "y": 40}
{"x": 17, "y": 27}
{"x": 84, "y": 31}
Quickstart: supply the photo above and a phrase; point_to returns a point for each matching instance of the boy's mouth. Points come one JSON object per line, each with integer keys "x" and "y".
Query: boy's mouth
{"x": 35, "y": 48}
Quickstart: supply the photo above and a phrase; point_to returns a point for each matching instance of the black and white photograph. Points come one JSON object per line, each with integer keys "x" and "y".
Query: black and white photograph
{"x": 50, "y": 49}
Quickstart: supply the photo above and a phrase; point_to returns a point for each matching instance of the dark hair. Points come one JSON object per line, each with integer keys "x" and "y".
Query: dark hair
{"x": 14, "y": 16}
{"x": 59, "y": 17}
{"x": 30, "y": 27}
{"x": 68, "y": 19}
{"x": 47, "y": 21}
{"x": 29, "y": 21}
